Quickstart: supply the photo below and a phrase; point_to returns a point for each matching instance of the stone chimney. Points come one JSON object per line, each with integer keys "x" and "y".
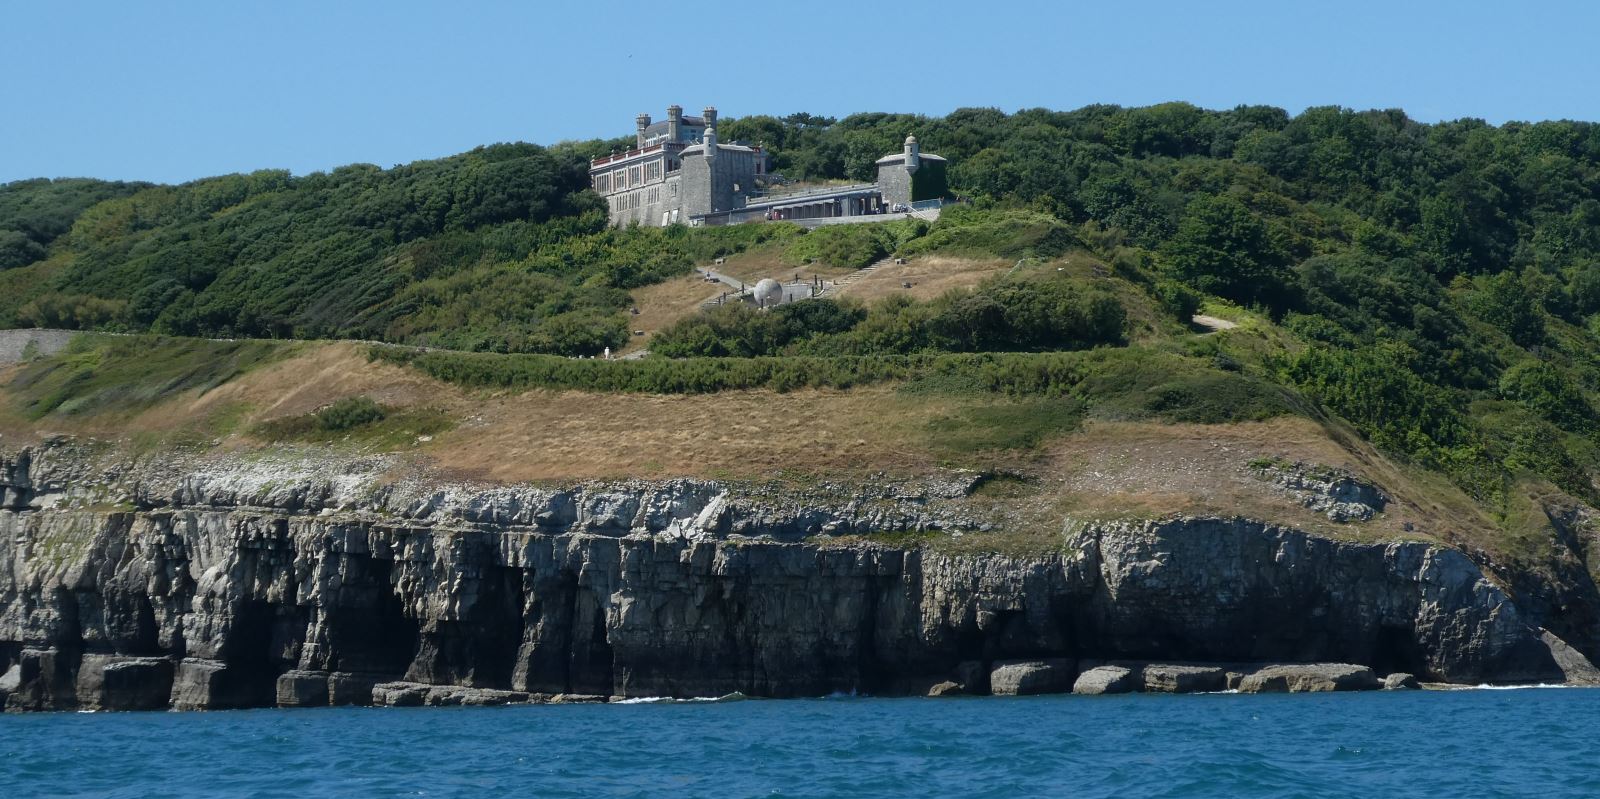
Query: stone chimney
{"x": 710, "y": 116}
{"x": 642, "y": 121}
{"x": 674, "y": 122}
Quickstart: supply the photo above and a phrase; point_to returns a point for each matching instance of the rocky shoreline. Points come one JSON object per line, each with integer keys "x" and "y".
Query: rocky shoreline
{"x": 262, "y": 583}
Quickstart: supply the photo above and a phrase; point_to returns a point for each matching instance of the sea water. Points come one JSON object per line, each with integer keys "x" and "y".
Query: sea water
{"x": 1477, "y": 743}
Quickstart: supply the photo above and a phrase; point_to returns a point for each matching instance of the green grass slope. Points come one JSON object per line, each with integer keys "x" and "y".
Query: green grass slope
{"x": 1436, "y": 286}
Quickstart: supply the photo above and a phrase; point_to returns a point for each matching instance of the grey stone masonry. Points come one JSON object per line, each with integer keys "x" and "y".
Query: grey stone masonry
{"x": 679, "y": 172}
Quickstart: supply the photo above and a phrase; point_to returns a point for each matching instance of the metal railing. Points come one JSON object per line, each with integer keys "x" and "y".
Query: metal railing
{"x": 797, "y": 196}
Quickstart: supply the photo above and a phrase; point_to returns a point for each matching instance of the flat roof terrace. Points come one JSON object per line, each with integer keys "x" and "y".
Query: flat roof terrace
{"x": 810, "y": 196}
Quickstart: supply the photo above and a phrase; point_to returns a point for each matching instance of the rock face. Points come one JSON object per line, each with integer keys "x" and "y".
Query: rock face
{"x": 1028, "y": 677}
{"x": 1337, "y": 495}
{"x": 1167, "y": 679}
{"x": 229, "y": 589}
{"x": 303, "y": 689}
{"x": 412, "y": 694}
{"x": 1400, "y": 681}
{"x": 1107, "y": 680}
{"x": 1310, "y": 678}
{"x": 113, "y": 682}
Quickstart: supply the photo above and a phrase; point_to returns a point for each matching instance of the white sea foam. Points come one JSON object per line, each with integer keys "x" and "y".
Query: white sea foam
{"x": 1487, "y": 687}
{"x": 668, "y": 700}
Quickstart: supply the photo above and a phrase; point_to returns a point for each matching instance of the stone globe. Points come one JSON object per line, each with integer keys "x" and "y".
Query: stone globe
{"x": 768, "y": 292}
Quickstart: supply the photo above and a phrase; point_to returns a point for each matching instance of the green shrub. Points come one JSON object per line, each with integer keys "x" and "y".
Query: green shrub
{"x": 1377, "y": 391}
{"x": 1548, "y": 392}
{"x": 1012, "y": 425}
{"x": 1037, "y": 315}
{"x": 359, "y": 421}
{"x": 742, "y": 331}
{"x": 999, "y": 316}
{"x": 1176, "y": 299}
{"x": 1504, "y": 301}
{"x": 853, "y": 246}
{"x": 1003, "y": 233}
{"x": 348, "y": 413}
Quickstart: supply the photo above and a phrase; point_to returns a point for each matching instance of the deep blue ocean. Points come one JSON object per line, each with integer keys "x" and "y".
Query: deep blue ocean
{"x": 1531, "y": 742}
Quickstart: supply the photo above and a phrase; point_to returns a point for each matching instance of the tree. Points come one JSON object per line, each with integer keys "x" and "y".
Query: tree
{"x": 1504, "y": 301}
{"x": 17, "y": 249}
{"x": 1222, "y": 247}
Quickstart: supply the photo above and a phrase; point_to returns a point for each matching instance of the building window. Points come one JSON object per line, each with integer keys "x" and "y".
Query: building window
{"x": 634, "y": 176}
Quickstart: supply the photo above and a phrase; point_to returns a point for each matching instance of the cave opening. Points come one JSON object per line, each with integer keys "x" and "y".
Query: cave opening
{"x": 591, "y": 659}
{"x": 1396, "y": 649}
{"x": 146, "y": 635}
{"x": 369, "y": 631}
{"x": 251, "y": 676}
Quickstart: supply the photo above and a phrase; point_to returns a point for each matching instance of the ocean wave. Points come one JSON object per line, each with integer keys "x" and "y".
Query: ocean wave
{"x": 1488, "y": 687}
{"x": 672, "y": 700}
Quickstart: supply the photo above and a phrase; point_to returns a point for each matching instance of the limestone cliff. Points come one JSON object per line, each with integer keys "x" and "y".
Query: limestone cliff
{"x": 247, "y": 583}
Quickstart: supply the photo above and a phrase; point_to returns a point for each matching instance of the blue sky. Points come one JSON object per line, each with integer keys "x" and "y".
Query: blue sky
{"x": 171, "y": 91}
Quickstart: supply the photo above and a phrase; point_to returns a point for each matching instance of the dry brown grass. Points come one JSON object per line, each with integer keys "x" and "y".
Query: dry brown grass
{"x": 664, "y": 303}
{"x": 929, "y": 277}
{"x": 546, "y": 435}
{"x": 1143, "y": 470}
{"x": 1105, "y": 470}
{"x": 322, "y": 374}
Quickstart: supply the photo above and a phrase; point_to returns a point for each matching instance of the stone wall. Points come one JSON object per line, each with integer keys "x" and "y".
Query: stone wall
{"x": 895, "y": 183}
{"x": 717, "y": 184}
{"x": 648, "y": 214}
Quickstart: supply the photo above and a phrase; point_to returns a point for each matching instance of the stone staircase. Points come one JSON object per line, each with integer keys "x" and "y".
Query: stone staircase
{"x": 833, "y": 288}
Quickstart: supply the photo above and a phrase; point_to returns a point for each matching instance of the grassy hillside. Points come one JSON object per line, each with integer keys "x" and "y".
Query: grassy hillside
{"x": 1427, "y": 296}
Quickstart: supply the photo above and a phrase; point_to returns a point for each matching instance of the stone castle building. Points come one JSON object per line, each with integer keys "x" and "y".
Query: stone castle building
{"x": 678, "y": 172}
